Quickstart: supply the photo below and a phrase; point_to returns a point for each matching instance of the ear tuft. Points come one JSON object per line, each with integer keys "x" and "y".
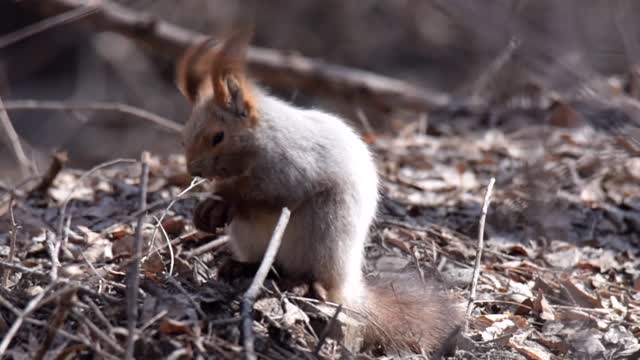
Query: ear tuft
{"x": 193, "y": 69}
{"x": 231, "y": 88}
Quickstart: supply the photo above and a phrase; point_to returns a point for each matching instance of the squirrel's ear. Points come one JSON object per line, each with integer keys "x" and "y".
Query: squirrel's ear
{"x": 231, "y": 89}
{"x": 192, "y": 69}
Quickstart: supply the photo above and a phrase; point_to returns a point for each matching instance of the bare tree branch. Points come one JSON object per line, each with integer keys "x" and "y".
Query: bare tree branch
{"x": 274, "y": 68}
{"x": 92, "y": 106}
{"x": 14, "y": 141}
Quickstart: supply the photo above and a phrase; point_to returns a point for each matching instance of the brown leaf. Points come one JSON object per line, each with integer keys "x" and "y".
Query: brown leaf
{"x": 172, "y": 327}
{"x": 529, "y": 348}
{"x": 580, "y": 296}
{"x": 543, "y": 308}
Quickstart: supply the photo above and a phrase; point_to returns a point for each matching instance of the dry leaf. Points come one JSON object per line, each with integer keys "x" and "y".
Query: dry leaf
{"x": 543, "y": 308}
{"x": 172, "y": 327}
{"x": 530, "y": 349}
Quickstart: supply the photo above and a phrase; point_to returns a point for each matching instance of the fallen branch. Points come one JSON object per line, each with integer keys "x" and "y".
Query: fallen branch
{"x": 31, "y": 307}
{"x": 46, "y": 24}
{"x": 14, "y": 141}
{"x": 276, "y": 69}
{"x": 6, "y": 272}
{"x": 250, "y": 296}
{"x": 476, "y": 267}
{"x": 92, "y": 106}
{"x": 133, "y": 280}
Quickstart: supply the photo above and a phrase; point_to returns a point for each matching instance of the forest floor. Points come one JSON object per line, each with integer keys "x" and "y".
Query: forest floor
{"x": 560, "y": 271}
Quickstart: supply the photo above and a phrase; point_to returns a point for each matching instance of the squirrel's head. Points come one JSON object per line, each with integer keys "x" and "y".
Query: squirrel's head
{"x": 218, "y": 138}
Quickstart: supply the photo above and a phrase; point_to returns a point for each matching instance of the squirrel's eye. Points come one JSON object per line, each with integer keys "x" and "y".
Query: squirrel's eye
{"x": 217, "y": 138}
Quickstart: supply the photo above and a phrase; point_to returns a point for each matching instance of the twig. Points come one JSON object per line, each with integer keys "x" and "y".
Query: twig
{"x": 251, "y": 294}
{"x": 476, "y": 267}
{"x": 168, "y": 245}
{"x": 93, "y": 106}
{"x": 194, "y": 183}
{"x": 14, "y": 141}
{"x": 59, "y": 159}
{"x": 31, "y": 306}
{"x": 99, "y": 314}
{"x": 207, "y": 247}
{"x": 63, "y": 209}
{"x": 98, "y": 332}
{"x": 46, "y": 24}
{"x": 276, "y": 69}
{"x": 133, "y": 281}
{"x": 184, "y": 292}
{"x": 44, "y": 324}
{"x": 64, "y": 303}
{"x": 6, "y": 272}
{"x": 53, "y": 248}
{"x": 327, "y": 328}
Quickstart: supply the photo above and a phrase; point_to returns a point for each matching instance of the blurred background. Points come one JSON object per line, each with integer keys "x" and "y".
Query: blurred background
{"x": 442, "y": 45}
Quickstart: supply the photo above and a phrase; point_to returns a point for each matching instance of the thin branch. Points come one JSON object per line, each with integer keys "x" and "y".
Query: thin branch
{"x": 63, "y": 304}
{"x": 476, "y": 268}
{"x": 46, "y": 24}
{"x": 194, "y": 183}
{"x": 31, "y": 307}
{"x": 252, "y": 293}
{"x": 133, "y": 280}
{"x": 6, "y": 272}
{"x": 14, "y": 141}
{"x": 98, "y": 332}
{"x": 165, "y": 123}
{"x": 168, "y": 245}
{"x": 276, "y": 69}
{"x": 207, "y": 247}
{"x": 326, "y": 330}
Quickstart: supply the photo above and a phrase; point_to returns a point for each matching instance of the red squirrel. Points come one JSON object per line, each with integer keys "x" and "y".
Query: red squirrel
{"x": 264, "y": 154}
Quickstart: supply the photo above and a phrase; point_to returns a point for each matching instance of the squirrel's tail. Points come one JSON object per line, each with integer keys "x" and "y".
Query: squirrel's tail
{"x": 407, "y": 315}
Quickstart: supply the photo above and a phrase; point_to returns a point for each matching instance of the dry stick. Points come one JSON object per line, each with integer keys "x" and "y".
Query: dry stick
{"x": 6, "y": 272}
{"x": 207, "y": 247}
{"x": 133, "y": 280}
{"x": 194, "y": 183}
{"x": 250, "y": 296}
{"x": 327, "y": 328}
{"x": 61, "y": 332}
{"x": 276, "y": 69}
{"x": 64, "y": 303}
{"x": 97, "y": 331}
{"x": 476, "y": 267}
{"x": 31, "y": 306}
{"x": 46, "y": 24}
{"x": 94, "y": 106}
{"x": 168, "y": 245}
{"x": 14, "y": 141}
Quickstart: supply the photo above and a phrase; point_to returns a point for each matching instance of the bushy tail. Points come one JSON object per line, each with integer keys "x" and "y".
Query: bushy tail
{"x": 407, "y": 315}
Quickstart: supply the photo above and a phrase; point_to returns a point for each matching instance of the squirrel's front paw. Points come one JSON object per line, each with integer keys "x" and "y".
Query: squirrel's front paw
{"x": 211, "y": 214}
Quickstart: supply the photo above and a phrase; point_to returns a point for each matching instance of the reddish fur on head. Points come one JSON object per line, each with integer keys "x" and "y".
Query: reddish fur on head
{"x": 219, "y": 70}
{"x": 213, "y": 78}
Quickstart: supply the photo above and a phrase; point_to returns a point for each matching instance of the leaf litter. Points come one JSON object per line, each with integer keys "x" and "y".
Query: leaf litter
{"x": 560, "y": 276}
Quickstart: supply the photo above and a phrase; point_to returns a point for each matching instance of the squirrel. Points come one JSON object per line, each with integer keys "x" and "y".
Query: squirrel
{"x": 263, "y": 154}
